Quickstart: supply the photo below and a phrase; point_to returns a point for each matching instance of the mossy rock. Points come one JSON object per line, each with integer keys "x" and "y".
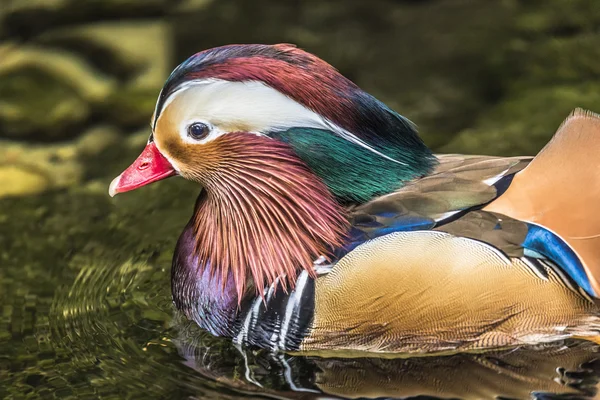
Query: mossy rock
{"x": 52, "y": 88}
{"x": 28, "y": 18}
{"x": 27, "y": 169}
{"x": 132, "y": 52}
{"x": 34, "y": 103}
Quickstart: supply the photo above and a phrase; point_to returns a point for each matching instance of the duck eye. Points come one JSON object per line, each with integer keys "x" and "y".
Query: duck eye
{"x": 198, "y": 130}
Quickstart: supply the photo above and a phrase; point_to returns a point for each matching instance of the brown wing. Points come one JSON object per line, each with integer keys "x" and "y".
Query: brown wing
{"x": 502, "y": 232}
{"x": 459, "y": 183}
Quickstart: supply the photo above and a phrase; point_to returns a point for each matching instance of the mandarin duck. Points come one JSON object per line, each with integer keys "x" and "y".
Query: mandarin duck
{"x": 325, "y": 225}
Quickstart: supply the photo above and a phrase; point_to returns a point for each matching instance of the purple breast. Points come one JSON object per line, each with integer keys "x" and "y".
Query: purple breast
{"x": 279, "y": 321}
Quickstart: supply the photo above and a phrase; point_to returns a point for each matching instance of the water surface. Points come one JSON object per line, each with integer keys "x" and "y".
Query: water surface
{"x": 87, "y": 313}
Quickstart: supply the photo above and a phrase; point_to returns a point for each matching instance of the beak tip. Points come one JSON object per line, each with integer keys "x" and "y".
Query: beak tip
{"x": 113, "y": 188}
{"x": 150, "y": 166}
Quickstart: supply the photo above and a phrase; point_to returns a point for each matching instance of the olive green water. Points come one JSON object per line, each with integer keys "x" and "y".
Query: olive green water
{"x": 85, "y": 279}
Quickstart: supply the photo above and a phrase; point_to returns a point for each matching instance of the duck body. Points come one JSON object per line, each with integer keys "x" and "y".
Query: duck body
{"x": 463, "y": 283}
{"x": 325, "y": 225}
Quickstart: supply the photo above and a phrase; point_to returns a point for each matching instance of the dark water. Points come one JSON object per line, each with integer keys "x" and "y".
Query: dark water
{"x": 87, "y": 313}
{"x": 100, "y": 325}
{"x": 85, "y": 279}
{"x": 89, "y": 321}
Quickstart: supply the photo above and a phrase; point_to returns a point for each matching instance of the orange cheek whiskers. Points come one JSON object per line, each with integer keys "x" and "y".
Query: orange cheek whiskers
{"x": 264, "y": 214}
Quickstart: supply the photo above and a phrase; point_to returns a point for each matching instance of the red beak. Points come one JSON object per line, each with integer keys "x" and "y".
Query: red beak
{"x": 150, "y": 166}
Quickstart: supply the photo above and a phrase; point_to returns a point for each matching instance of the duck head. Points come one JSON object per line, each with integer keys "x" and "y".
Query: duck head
{"x": 280, "y": 141}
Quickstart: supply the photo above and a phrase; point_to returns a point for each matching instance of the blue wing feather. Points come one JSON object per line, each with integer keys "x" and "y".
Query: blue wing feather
{"x": 553, "y": 247}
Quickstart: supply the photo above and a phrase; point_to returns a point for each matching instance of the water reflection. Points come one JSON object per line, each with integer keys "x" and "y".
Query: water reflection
{"x": 113, "y": 331}
{"x": 569, "y": 369}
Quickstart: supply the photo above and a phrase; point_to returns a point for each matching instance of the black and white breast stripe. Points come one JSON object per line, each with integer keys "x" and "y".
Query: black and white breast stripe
{"x": 281, "y": 320}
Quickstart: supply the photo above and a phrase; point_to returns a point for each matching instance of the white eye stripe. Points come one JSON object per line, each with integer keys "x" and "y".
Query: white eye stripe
{"x": 250, "y": 106}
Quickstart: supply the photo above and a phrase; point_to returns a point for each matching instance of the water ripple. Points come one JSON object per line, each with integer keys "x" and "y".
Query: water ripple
{"x": 110, "y": 330}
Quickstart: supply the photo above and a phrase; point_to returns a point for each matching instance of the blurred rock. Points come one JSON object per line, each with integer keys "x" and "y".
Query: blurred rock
{"x": 53, "y": 87}
{"x": 131, "y": 107}
{"x": 141, "y": 50}
{"x": 34, "y": 104}
{"x": 44, "y": 94}
{"x": 19, "y": 181}
{"x": 191, "y": 5}
{"x": 27, "y": 169}
{"x": 139, "y": 55}
{"x": 62, "y": 66}
{"x": 28, "y": 18}
{"x": 96, "y": 140}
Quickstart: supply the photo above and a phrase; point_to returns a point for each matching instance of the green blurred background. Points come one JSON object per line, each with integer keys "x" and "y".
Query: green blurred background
{"x": 84, "y": 279}
{"x": 79, "y": 77}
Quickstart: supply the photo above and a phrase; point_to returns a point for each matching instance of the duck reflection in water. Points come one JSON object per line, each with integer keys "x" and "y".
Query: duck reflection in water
{"x": 561, "y": 370}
